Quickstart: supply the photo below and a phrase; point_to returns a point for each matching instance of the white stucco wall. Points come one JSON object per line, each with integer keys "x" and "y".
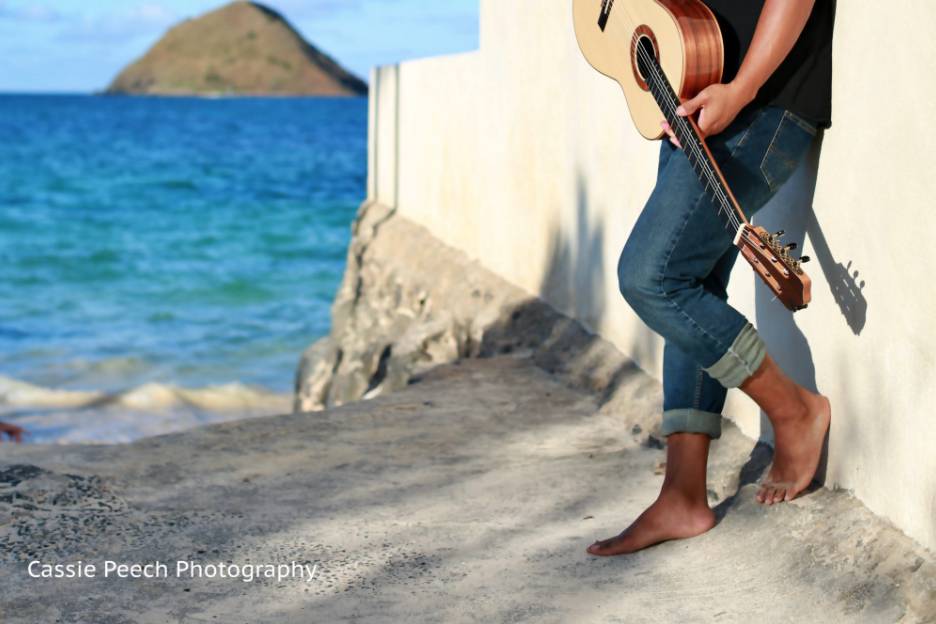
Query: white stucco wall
{"x": 522, "y": 156}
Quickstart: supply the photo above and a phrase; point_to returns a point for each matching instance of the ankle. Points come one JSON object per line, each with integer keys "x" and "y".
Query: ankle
{"x": 794, "y": 412}
{"x": 673, "y": 497}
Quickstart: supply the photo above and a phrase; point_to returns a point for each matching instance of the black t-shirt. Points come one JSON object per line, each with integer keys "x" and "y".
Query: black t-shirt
{"x": 803, "y": 82}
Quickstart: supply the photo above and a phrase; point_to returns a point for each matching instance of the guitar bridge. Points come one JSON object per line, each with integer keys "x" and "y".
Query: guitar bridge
{"x": 605, "y": 14}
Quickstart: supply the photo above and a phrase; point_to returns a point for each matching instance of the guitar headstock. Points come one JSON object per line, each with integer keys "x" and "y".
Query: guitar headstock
{"x": 772, "y": 261}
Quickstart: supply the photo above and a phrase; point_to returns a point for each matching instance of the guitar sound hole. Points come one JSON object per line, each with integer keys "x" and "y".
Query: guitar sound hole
{"x": 644, "y": 50}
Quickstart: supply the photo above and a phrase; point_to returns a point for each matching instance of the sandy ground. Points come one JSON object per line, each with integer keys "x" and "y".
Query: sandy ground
{"x": 469, "y": 496}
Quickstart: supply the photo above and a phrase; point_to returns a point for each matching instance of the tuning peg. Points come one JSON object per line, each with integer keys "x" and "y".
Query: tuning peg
{"x": 804, "y": 259}
{"x": 790, "y": 247}
{"x": 780, "y": 233}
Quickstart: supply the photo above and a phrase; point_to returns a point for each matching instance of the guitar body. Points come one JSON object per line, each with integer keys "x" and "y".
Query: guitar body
{"x": 683, "y": 33}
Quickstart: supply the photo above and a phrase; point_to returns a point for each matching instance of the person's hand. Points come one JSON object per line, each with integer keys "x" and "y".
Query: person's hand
{"x": 718, "y": 104}
{"x": 12, "y": 431}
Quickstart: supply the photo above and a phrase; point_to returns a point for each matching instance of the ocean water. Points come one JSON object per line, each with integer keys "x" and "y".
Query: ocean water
{"x": 164, "y": 262}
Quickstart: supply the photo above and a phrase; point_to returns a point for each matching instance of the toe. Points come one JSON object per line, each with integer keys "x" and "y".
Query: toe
{"x": 779, "y": 494}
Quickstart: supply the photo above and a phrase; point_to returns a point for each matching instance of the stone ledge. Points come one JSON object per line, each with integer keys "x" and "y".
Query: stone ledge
{"x": 408, "y": 302}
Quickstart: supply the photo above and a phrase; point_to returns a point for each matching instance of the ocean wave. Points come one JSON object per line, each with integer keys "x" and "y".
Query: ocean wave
{"x": 18, "y": 395}
{"x": 58, "y": 416}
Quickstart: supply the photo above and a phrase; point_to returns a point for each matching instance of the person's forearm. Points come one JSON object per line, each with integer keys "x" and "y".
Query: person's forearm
{"x": 778, "y": 28}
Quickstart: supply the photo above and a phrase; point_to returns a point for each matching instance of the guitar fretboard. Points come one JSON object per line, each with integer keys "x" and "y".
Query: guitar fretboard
{"x": 692, "y": 143}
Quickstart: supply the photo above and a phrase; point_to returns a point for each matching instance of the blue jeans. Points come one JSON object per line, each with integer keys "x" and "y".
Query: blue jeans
{"x": 674, "y": 268}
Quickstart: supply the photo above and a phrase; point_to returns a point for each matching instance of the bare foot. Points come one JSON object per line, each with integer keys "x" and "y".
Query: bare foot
{"x": 669, "y": 517}
{"x": 797, "y": 449}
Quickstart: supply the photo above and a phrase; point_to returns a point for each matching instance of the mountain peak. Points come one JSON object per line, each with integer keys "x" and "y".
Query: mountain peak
{"x": 241, "y": 48}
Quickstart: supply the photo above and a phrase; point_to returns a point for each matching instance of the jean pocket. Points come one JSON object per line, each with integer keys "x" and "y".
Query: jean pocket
{"x": 789, "y": 145}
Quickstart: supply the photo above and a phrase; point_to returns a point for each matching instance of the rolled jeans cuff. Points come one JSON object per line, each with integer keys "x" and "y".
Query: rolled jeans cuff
{"x": 743, "y": 358}
{"x": 691, "y": 421}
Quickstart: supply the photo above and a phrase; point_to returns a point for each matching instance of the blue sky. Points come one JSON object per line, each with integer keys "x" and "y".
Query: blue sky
{"x": 80, "y": 45}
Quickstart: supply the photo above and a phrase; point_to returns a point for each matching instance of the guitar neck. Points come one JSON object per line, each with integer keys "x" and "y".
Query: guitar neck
{"x": 694, "y": 146}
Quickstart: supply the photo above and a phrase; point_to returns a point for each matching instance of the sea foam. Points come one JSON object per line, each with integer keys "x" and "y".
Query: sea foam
{"x": 56, "y": 415}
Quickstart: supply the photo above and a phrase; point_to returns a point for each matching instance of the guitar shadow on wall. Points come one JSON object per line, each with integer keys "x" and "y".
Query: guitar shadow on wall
{"x": 844, "y": 280}
{"x": 792, "y": 210}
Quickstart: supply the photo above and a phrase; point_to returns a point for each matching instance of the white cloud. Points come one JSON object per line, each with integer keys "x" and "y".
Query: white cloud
{"x": 147, "y": 19}
{"x": 29, "y": 12}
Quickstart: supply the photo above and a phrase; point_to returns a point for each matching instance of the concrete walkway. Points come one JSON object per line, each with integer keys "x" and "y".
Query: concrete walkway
{"x": 469, "y": 496}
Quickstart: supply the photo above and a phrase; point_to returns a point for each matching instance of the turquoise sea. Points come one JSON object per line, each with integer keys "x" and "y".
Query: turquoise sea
{"x": 164, "y": 262}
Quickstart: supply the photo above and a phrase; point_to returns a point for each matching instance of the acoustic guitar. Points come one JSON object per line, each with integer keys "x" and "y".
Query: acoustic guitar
{"x": 663, "y": 52}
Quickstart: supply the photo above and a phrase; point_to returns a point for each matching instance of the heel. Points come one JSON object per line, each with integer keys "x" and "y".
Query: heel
{"x": 820, "y": 476}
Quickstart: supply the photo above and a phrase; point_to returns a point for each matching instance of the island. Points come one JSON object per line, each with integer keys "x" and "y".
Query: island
{"x": 240, "y": 49}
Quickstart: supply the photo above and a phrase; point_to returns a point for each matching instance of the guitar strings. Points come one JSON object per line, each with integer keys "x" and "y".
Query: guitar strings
{"x": 711, "y": 181}
{"x": 662, "y": 83}
{"x": 696, "y": 145}
{"x": 686, "y": 128}
{"x": 710, "y": 178}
